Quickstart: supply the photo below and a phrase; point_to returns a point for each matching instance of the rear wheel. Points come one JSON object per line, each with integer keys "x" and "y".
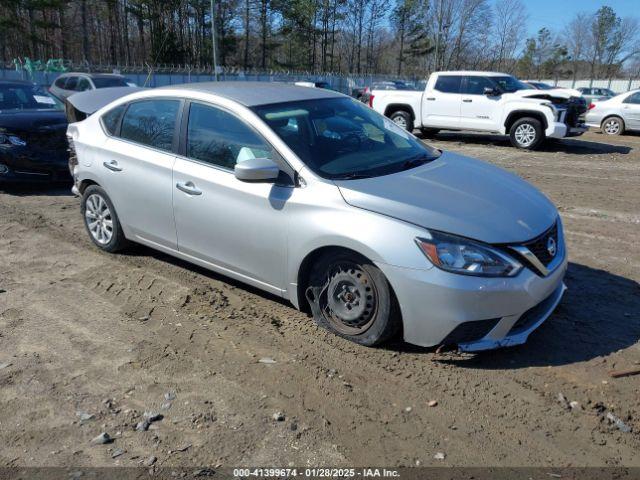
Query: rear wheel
{"x": 101, "y": 220}
{"x": 351, "y": 297}
{"x": 402, "y": 119}
{"x": 526, "y": 133}
{"x": 612, "y": 126}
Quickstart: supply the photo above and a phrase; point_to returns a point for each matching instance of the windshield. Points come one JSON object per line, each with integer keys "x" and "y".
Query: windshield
{"x": 17, "y": 96}
{"x": 510, "y": 84}
{"x": 340, "y": 138}
{"x": 106, "y": 82}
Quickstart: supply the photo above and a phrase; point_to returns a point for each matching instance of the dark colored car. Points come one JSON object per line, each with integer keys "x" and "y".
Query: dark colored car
{"x": 33, "y": 143}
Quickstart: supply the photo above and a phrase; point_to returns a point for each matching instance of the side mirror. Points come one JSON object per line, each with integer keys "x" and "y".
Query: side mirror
{"x": 257, "y": 170}
{"x": 491, "y": 92}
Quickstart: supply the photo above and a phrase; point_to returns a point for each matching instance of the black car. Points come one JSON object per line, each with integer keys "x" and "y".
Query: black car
{"x": 33, "y": 143}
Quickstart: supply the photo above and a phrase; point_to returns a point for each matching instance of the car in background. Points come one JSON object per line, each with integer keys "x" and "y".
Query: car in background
{"x": 325, "y": 85}
{"x": 33, "y": 145}
{"x": 312, "y": 196}
{"x": 596, "y": 94}
{"x": 540, "y": 85}
{"x": 616, "y": 115}
{"x": 69, "y": 83}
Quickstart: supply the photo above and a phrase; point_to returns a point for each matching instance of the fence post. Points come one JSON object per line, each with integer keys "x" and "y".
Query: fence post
{"x": 629, "y": 84}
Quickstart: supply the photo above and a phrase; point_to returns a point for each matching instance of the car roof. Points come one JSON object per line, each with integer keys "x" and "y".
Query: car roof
{"x": 92, "y": 75}
{"x": 251, "y": 94}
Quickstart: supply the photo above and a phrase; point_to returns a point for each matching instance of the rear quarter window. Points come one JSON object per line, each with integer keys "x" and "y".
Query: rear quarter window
{"x": 111, "y": 119}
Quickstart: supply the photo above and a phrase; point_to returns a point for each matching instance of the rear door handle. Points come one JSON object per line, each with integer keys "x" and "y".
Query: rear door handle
{"x": 467, "y": 100}
{"x": 431, "y": 98}
{"x": 189, "y": 188}
{"x": 112, "y": 165}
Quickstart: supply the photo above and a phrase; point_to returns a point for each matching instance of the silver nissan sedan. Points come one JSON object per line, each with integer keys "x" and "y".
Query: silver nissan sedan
{"x": 310, "y": 195}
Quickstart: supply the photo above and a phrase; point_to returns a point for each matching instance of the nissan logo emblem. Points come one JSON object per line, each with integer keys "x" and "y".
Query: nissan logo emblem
{"x": 551, "y": 246}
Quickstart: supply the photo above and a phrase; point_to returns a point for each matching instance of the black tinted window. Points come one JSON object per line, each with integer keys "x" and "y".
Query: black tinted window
{"x": 635, "y": 98}
{"x": 476, "y": 85}
{"x": 151, "y": 122}
{"x": 107, "y": 82}
{"x": 72, "y": 83}
{"x": 448, "y": 84}
{"x": 60, "y": 82}
{"x": 83, "y": 84}
{"x": 220, "y": 138}
{"x": 111, "y": 119}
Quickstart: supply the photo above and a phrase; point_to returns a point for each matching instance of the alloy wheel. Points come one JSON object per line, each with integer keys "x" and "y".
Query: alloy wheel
{"x": 99, "y": 219}
{"x": 400, "y": 121}
{"x": 525, "y": 134}
{"x": 612, "y": 127}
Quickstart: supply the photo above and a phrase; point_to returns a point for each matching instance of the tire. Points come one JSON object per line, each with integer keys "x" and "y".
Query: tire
{"x": 107, "y": 234}
{"x": 429, "y": 132}
{"x": 402, "y": 119}
{"x": 526, "y": 133}
{"x": 612, "y": 126}
{"x": 351, "y": 297}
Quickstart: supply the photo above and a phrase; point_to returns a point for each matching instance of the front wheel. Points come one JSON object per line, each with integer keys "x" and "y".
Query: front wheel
{"x": 101, "y": 220}
{"x": 526, "y": 133}
{"x": 402, "y": 119}
{"x": 351, "y": 297}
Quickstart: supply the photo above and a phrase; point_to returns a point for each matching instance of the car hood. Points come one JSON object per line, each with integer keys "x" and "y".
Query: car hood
{"x": 33, "y": 120}
{"x": 458, "y": 195}
{"x": 565, "y": 93}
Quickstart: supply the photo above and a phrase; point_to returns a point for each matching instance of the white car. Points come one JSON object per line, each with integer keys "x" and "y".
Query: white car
{"x": 617, "y": 114}
{"x": 485, "y": 101}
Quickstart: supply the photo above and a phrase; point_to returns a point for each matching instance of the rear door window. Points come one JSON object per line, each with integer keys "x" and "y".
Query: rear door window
{"x": 83, "y": 84}
{"x": 635, "y": 99}
{"x": 151, "y": 123}
{"x": 448, "y": 83}
{"x": 72, "y": 83}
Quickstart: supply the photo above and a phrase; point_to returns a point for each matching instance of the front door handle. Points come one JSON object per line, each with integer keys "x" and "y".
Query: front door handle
{"x": 112, "y": 165}
{"x": 189, "y": 188}
{"x": 467, "y": 100}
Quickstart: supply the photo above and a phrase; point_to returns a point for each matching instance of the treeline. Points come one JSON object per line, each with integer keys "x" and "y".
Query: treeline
{"x": 400, "y": 37}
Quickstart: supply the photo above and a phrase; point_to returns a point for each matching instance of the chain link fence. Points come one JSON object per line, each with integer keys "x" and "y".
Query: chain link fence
{"x": 165, "y": 75}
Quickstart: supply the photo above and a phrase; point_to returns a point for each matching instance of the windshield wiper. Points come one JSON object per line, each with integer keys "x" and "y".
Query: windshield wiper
{"x": 416, "y": 161}
{"x": 352, "y": 176}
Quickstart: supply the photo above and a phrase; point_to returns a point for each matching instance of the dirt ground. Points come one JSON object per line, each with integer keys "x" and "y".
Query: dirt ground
{"x": 90, "y": 341}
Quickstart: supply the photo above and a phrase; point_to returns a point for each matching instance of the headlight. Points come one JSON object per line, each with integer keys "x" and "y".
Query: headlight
{"x": 467, "y": 257}
{"x": 6, "y": 139}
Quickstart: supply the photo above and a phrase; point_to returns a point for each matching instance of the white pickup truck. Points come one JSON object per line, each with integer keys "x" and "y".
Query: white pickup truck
{"x": 485, "y": 101}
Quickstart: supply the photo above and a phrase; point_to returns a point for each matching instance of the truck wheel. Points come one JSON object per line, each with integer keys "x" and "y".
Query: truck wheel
{"x": 526, "y": 133}
{"x": 612, "y": 126}
{"x": 402, "y": 119}
{"x": 429, "y": 132}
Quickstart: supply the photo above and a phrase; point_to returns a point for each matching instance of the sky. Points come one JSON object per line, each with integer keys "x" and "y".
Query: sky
{"x": 554, "y": 14}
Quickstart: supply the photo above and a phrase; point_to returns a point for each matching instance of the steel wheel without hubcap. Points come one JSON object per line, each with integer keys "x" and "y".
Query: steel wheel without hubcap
{"x": 98, "y": 218}
{"x": 612, "y": 127}
{"x": 350, "y": 302}
{"x": 525, "y": 134}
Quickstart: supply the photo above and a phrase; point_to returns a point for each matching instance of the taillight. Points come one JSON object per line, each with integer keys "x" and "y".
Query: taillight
{"x": 371, "y": 101}
{"x": 592, "y": 105}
